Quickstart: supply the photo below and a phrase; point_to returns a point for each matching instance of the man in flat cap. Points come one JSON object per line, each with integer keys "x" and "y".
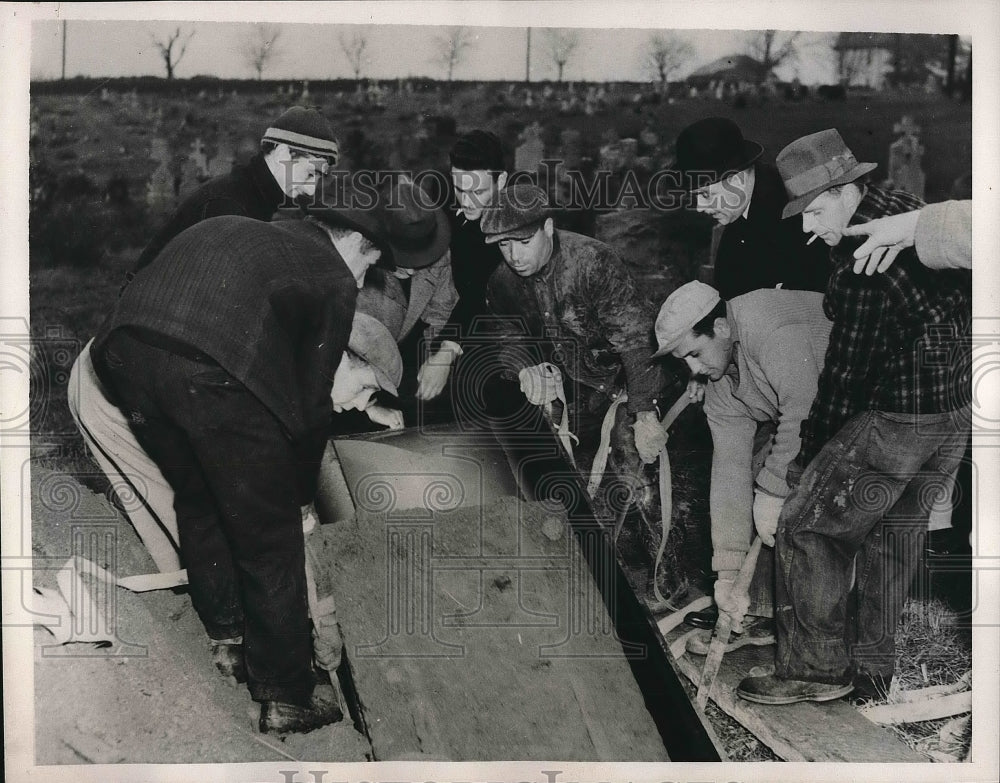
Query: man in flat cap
{"x": 729, "y": 182}
{"x": 230, "y": 390}
{"x": 760, "y": 355}
{"x": 889, "y": 424}
{"x": 295, "y": 151}
{"x": 574, "y": 308}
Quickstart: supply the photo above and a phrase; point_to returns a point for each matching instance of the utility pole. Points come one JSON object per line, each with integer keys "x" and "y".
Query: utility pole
{"x": 527, "y": 59}
{"x": 64, "y": 52}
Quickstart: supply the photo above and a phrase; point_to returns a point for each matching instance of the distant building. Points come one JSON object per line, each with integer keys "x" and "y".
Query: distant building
{"x": 734, "y": 70}
{"x": 865, "y": 59}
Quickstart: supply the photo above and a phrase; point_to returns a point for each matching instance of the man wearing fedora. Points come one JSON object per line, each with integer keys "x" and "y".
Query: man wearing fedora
{"x": 729, "y": 182}
{"x": 230, "y": 389}
{"x": 889, "y": 424}
{"x": 571, "y": 304}
{"x": 295, "y": 150}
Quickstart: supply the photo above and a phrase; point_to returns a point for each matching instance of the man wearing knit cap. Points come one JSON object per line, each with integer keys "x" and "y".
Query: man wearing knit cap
{"x": 760, "y": 354}
{"x": 230, "y": 389}
{"x": 294, "y": 150}
{"x": 889, "y": 424}
{"x": 478, "y": 172}
{"x": 576, "y": 309}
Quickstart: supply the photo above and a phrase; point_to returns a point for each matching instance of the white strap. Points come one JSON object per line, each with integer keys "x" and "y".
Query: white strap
{"x": 604, "y": 448}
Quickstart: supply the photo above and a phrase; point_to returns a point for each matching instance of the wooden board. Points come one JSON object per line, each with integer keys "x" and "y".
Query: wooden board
{"x": 808, "y": 731}
{"x": 479, "y": 634}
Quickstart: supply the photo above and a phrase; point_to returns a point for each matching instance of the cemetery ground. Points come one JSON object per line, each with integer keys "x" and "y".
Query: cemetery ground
{"x": 90, "y": 167}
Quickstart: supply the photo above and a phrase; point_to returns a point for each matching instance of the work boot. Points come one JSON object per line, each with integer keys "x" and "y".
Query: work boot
{"x": 757, "y": 631}
{"x": 278, "y": 717}
{"x": 229, "y": 660}
{"x": 772, "y": 689}
{"x": 706, "y": 618}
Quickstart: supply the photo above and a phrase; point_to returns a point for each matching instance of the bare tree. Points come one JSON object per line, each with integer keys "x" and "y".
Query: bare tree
{"x": 259, "y": 47}
{"x": 354, "y": 48}
{"x": 771, "y": 48}
{"x": 665, "y": 53}
{"x": 172, "y": 49}
{"x": 561, "y": 45}
{"x": 451, "y": 48}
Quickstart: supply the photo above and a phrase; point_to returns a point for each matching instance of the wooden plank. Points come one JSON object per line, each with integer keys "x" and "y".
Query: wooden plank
{"x": 808, "y": 731}
{"x": 479, "y": 634}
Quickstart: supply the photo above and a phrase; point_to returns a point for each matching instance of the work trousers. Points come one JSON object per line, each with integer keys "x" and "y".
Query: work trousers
{"x": 234, "y": 475}
{"x": 861, "y": 509}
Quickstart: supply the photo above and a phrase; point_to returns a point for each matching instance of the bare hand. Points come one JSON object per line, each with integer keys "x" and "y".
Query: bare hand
{"x": 696, "y": 389}
{"x": 886, "y": 237}
{"x": 433, "y": 374}
{"x": 387, "y": 417}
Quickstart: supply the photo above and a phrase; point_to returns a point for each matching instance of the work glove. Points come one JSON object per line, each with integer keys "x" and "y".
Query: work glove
{"x": 766, "y": 510}
{"x": 541, "y": 383}
{"x": 650, "y": 437}
{"x": 736, "y": 606}
{"x": 387, "y": 417}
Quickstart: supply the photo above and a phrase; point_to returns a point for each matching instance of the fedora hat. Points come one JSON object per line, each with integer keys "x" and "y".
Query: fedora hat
{"x": 712, "y": 149}
{"x": 415, "y": 228}
{"x": 815, "y": 163}
{"x": 372, "y": 341}
{"x": 364, "y": 221}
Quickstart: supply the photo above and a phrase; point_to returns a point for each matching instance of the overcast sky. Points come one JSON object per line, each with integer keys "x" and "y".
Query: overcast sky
{"x": 125, "y": 48}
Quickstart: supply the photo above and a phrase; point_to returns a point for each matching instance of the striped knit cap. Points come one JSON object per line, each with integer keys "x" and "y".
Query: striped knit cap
{"x": 305, "y": 130}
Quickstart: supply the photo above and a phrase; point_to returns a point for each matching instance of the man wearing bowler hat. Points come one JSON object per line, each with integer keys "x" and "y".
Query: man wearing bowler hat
{"x": 889, "y": 424}
{"x": 729, "y": 182}
{"x": 575, "y": 309}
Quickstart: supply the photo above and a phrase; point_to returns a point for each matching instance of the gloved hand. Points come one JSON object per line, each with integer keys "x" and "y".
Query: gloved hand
{"x": 387, "y": 417}
{"x": 541, "y": 383}
{"x": 766, "y": 510}
{"x": 650, "y": 437}
{"x": 736, "y": 606}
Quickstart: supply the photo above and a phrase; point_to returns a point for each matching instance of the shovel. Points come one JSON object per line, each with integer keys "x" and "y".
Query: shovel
{"x": 724, "y": 627}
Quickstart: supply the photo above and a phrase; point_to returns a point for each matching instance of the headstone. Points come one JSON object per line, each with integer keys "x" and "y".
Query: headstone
{"x": 649, "y": 138}
{"x": 198, "y": 158}
{"x": 571, "y": 146}
{"x": 222, "y": 163}
{"x": 629, "y": 152}
{"x": 160, "y": 195}
{"x": 305, "y": 91}
{"x": 905, "y": 156}
{"x": 529, "y": 154}
{"x": 105, "y": 95}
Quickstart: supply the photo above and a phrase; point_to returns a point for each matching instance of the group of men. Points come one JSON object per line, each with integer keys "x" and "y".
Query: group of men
{"x": 834, "y": 398}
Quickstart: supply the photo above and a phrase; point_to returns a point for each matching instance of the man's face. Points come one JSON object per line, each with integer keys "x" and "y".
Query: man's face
{"x": 827, "y": 215}
{"x": 302, "y": 173}
{"x": 353, "y": 384}
{"x": 707, "y": 356}
{"x": 358, "y": 253}
{"x": 724, "y": 201}
{"x": 476, "y": 190}
{"x": 527, "y": 256}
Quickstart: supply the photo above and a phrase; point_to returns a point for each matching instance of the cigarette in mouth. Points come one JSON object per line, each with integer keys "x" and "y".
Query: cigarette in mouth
{"x": 811, "y": 239}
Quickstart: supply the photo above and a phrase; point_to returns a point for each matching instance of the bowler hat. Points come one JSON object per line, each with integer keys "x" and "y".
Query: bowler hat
{"x": 415, "y": 229}
{"x": 712, "y": 149}
{"x": 518, "y": 213}
{"x": 815, "y": 163}
{"x": 682, "y": 310}
{"x": 371, "y": 340}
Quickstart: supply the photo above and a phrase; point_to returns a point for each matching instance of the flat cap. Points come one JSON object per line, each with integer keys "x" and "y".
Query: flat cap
{"x": 518, "y": 213}
{"x": 682, "y": 310}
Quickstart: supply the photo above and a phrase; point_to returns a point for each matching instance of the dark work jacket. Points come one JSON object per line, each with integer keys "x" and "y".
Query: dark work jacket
{"x": 272, "y": 304}
{"x": 584, "y": 313}
{"x": 472, "y": 263}
{"x": 762, "y": 250}
{"x": 248, "y": 190}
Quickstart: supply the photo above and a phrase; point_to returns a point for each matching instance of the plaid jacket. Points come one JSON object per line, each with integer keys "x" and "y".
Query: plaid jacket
{"x": 900, "y": 341}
